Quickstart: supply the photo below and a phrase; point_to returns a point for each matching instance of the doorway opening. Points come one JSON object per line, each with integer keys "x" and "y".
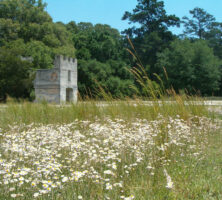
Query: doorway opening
{"x": 69, "y": 94}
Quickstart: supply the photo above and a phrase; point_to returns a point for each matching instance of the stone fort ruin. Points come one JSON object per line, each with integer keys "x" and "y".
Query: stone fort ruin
{"x": 59, "y": 84}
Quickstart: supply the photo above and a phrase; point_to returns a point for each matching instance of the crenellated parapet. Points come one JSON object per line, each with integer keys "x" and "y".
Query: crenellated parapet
{"x": 61, "y": 60}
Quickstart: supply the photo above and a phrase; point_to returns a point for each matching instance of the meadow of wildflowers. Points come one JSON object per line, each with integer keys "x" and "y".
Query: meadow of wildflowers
{"x": 114, "y": 150}
{"x": 104, "y": 158}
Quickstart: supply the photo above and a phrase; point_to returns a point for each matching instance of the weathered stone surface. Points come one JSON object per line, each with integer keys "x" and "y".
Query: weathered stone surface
{"x": 58, "y": 84}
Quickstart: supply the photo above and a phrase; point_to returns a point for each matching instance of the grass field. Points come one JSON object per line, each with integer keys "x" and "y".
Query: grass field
{"x": 118, "y": 151}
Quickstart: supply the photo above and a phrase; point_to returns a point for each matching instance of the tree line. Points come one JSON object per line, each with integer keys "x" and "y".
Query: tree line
{"x": 191, "y": 61}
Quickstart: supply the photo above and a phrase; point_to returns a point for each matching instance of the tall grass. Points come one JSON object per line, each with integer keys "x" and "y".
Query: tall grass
{"x": 45, "y": 113}
{"x": 151, "y": 152}
{"x": 149, "y": 147}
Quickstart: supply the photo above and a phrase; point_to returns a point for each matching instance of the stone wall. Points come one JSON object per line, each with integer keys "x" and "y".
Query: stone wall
{"x": 58, "y": 84}
{"x": 68, "y": 67}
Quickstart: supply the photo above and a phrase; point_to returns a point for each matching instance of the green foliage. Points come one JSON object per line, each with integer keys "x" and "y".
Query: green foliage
{"x": 200, "y": 23}
{"x": 27, "y": 29}
{"x": 14, "y": 81}
{"x": 94, "y": 74}
{"x": 41, "y": 54}
{"x": 24, "y": 11}
{"x": 27, "y": 20}
{"x": 8, "y": 30}
{"x": 191, "y": 66}
{"x": 203, "y": 26}
{"x": 102, "y": 59}
{"x": 152, "y": 35}
{"x": 100, "y": 42}
{"x": 214, "y": 37}
{"x": 151, "y": 15}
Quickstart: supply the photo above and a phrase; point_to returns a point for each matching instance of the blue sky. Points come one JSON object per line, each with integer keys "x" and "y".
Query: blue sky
{"x": 111, "y": 11}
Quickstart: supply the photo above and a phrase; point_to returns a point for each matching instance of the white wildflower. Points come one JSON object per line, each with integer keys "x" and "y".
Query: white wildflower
{"x": 13, "y": 195}
{"x": 65, "y": 179}
{"x": 169, "y": 180}
{"x": 109, "y": 186}
{"x": 109, "y": 172}
{"x": 36, "y": 194}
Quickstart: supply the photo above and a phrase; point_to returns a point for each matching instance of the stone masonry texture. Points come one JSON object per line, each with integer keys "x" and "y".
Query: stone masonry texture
{"x": 57, "y": 85}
